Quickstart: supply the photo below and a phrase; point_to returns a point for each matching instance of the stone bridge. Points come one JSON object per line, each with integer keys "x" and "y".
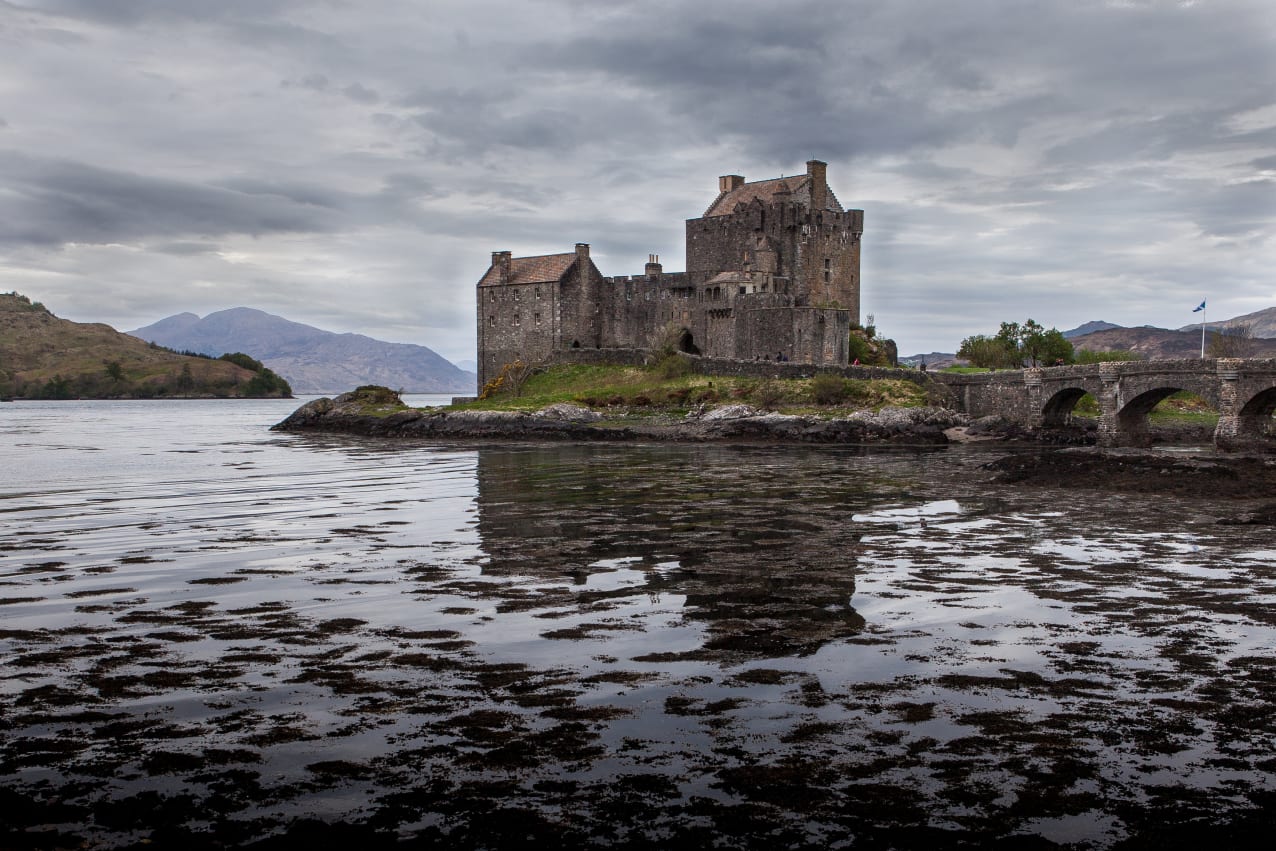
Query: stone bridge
{"x": 1243, "y": 391}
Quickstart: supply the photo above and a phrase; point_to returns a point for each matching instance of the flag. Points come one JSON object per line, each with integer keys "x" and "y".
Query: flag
{"x": 1200, "y": 308}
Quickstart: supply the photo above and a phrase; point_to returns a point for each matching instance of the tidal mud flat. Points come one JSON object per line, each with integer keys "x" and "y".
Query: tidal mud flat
{"x": 636, "y": 646}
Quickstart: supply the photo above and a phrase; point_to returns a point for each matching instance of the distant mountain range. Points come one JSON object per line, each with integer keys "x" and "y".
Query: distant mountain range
{"x": 1147, "y": 340}
{"x": 311, "y": 359}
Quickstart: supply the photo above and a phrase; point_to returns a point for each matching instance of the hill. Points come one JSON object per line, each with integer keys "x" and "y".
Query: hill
{"x": 1089, "y": 328}
{"x": 313, "y": 360}
{"x": 45, "y": 357}
{"x": 1160, "y": 343}
{"x": 1261, "y": 322}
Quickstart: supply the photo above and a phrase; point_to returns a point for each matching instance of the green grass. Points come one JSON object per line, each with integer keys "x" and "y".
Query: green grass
{"x": 660, "y": 391}
{"x": 1181, "y": 408}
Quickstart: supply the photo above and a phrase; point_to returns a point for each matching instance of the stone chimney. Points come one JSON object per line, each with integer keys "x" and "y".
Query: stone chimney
{"x": 728, "y": 182}
{"x": 501, "y": 263}
{"x": 582, "y": 253}
{"x": 653, "y": 267}
{"x": 819, "y": 184}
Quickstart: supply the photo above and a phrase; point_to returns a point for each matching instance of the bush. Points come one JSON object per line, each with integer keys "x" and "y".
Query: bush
{"x": 671, "y": 366}
{"x": 768, "y": 395}
{"x": 828, "y": 389}
{"x": 374, "y": 394}
{"x": 1087, "y": 356}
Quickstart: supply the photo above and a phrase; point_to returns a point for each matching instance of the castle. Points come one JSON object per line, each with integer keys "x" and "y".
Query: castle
{"x": 773, "y": 271}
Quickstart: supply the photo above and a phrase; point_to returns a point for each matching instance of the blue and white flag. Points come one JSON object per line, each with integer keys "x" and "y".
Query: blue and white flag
{"x": 1199, "y": 309}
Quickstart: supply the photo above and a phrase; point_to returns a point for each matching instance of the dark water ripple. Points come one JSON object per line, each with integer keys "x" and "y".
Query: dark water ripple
{"x": 218, "y": 635}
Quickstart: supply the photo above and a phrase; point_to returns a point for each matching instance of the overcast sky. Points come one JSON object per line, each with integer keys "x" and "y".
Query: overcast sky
{"x": 352, "y": 164}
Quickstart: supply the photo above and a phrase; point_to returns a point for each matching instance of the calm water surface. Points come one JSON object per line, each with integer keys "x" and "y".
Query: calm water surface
{"x": 210, "y": 630}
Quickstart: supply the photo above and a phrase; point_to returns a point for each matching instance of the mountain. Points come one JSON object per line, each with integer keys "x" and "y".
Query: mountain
{"x": 45, "y": 357}
{"x": 1089, "y": 328}
{"x": 313, "y": 360}
{"x": 1160, "y": 343}
{"x": 933, "y": 360}
{"x": 1261, "y": 322}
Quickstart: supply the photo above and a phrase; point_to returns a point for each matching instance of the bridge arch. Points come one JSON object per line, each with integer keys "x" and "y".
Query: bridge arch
{"x": 1132, "y": 417}
{"x": 1254, "y": 419}
{"x": 1058, "y": 408}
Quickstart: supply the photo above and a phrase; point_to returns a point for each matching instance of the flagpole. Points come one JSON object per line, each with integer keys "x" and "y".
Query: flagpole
{"x": 1202, "y": 330}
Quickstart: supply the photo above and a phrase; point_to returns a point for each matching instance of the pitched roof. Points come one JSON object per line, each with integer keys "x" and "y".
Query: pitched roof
{"x": 533, "y": 270}
{"x": 765, "y": 191}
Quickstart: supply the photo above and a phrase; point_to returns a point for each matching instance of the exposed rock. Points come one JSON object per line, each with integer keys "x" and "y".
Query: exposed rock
{"x": 730, "y": 412}
{"x": 1263, "y": 515}
{"x": 565, "y": 412}
{"x": 1205, "y": 475}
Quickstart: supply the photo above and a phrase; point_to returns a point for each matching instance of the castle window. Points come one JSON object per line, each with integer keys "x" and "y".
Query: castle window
{"x": 537, "y": 317}
{"x": 538, "y": 292}
{"x": 827, "y": 270}
{"x": 741, "y": 290}
{"x": 491, "y": 321}
{"x": 517, "y": 321}
{"x": 515, "y": 295}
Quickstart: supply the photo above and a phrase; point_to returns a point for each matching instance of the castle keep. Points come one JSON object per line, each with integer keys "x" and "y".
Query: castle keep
{"x": 773, "y": 271}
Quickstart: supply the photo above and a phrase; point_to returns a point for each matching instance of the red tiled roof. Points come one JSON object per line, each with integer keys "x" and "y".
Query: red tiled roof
{"x": 765, "y": 190}
{"x": 534, "y": 270}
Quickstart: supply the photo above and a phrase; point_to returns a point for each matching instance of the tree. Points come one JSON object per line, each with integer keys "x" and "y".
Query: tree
{"x": 114, "y": 371}
{"x": 185, "y": 381}
{"x": 1047, "y": 347}
{"x": 982, "y": 350}
{"x": 1233, "y": 341}
{"x": 1014, "y": 344}
{"x": 240, "y": 359}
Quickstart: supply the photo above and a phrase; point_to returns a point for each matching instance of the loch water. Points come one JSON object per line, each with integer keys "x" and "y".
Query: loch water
{"x": 216, "y": 634}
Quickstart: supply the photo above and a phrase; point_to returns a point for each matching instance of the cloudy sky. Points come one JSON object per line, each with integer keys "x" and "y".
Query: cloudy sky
{"x": 352, "y": 164}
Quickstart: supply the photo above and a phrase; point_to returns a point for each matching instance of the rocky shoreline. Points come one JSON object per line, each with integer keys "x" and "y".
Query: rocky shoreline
{"x": 386, "y": 416}
{"x": 379, "y": 413}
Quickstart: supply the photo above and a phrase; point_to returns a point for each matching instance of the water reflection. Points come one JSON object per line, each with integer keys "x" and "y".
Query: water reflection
{"x": 599, "y": 645}
{"x": 769, "y": 569}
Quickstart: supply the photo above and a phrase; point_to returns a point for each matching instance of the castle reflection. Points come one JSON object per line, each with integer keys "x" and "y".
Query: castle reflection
{"x": 758, "y": 541}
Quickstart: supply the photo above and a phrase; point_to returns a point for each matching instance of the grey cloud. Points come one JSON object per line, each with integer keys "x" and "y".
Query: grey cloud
{"x": 53, "y": 202}
{"x": 360, "y": 93}
{"x": 860, "y": 78}
{"x": 1013, "y": 148}
{"x": 320, "y": 83}
{"x": 128, "y": 12}
{"x": 316, "y": 82}
{"x": 183, "y": 249}
{"x": 306, "y": 193}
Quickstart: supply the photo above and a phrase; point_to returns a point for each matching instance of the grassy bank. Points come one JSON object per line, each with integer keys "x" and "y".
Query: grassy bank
{"x": 670, "y": 388}
{"x": 1182, "y": 409}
